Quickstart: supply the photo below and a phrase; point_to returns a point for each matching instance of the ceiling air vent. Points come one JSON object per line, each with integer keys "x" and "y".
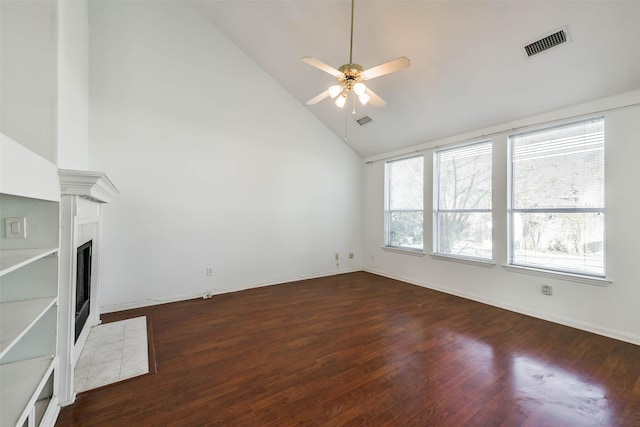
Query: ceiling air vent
{"x": 364, "y": 120}
{"x": 545, "y": 43}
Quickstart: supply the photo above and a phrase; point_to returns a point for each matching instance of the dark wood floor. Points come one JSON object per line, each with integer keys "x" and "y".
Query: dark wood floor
{"x": 359, "y": 349}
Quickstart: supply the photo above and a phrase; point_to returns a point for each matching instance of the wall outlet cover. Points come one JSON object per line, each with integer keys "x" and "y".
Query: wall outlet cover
{"x": 15, "y": 228}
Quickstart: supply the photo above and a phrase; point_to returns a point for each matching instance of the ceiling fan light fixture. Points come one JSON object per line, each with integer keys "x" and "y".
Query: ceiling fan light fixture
{"x": 364, "y": 98}
{"x": 350, "y": 77}
{"x": 335, "y": 90}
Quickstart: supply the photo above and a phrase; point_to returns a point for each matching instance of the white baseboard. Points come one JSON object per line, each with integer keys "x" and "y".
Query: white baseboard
{"x": 621, "y": 336}
{"x": 183, "y": 297}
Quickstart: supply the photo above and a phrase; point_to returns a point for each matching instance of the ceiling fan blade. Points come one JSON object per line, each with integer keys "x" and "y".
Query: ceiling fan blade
{"x": 386, "y": 68}
{"x": 318, "y": 98}
{"x": 375, "y": 100}
{"x": 322, "y": 66}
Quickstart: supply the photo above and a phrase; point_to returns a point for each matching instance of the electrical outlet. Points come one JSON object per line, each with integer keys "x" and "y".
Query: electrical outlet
{"x": 337, "y": 256}
{"x": 547, "y": 289}
{"x": 209, "y": 271}
{"x": 350, "y": 255}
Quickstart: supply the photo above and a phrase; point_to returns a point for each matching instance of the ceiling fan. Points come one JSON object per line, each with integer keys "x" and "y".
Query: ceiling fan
{"x": 351, "y": 77}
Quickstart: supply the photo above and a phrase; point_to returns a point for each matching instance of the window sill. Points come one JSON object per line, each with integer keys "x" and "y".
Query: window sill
{"x": 461, "y": 260}
{"x": 558, "y": 275}
{"x": 413, "y": 252}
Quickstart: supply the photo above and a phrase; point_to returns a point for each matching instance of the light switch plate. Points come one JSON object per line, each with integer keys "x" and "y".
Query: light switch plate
{"x": 15, "y": 228}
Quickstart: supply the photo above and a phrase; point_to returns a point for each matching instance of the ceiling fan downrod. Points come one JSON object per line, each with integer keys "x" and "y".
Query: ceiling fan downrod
{"x": 350, "y": 77}
{"x": 351, "y": 43}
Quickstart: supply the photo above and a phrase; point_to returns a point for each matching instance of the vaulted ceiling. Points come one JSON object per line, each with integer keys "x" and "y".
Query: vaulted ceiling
{"x": 468, "y": 66}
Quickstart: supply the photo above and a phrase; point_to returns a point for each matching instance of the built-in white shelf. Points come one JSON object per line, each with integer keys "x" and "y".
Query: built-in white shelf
{"x": 29, "y": 289}
{"x": 17, "y": 317}
{"x": 40, "y": 409}
{"x": 19, "y": 381}
{"x": 13, "y": 259}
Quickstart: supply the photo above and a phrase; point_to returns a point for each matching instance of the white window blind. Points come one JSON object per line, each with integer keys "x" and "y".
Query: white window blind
{"x": 557, "y": 198}
{"x": 405, "y": 203}
{"x": 463, "y": 220}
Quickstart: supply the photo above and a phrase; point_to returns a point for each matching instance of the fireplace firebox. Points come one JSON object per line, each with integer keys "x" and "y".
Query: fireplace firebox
{"x": 83, "y": 287}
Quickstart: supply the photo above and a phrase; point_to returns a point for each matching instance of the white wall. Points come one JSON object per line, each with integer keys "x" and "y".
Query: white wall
{"x": 44, "y": 92}
{"x": 612, "y": 310}
{"x": 217, "y": 165}
{"x": 28, "y": 74}
{"x": 73, "y": 85}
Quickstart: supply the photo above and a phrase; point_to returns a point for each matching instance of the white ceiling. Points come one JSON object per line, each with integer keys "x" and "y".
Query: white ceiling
{"x": 468, "y": 68}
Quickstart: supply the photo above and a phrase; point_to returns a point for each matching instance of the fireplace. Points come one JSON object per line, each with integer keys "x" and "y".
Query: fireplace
{"x": 84, "y": 193}
{"x": 83, "y": 287}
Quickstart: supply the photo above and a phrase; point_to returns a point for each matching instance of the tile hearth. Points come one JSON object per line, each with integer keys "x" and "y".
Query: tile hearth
{"x": 113, "y": 352}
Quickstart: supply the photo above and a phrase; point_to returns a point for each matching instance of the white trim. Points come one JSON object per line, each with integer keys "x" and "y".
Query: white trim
{"x": 598, "y": 281}
{"x": 588, "y": 327}
{"x": 76, "y": 188}
{"x": 435, "y": 193}
{"x": 51, "y": 414}
{"x": 511, "y": 211}
{"x": 463, "y": 260}
{"x": 407, "y": 156}
{"x": 82, "y": 340}
{"x": 87, "y": 220}
{"x": 95, "y": 186}
{"x": 455, "y": 145}
{"x": 184, "y": 297}
{"x": 387, "y": 196}
{"x": 405, "y": 251}
{"x": 600, "y": 106}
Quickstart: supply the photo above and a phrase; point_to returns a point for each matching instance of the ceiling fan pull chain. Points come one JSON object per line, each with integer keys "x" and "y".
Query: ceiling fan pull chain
{"x": 346, "y": 123}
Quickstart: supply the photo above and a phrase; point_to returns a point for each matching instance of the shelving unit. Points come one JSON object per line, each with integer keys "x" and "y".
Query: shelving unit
{"x": 29, "y": 188}
{"x": 11, "y": 260}
{"x": 18, "y": 317}
{"x": 25, "y": 380}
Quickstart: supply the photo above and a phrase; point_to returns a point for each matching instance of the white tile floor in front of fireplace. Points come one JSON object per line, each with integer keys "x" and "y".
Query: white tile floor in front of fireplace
{"x": 113, "y": 352}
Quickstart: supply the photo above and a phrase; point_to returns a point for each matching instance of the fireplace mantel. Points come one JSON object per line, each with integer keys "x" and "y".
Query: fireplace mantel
{"x": 84, "y": 194}
{"x": 94, "y": 186}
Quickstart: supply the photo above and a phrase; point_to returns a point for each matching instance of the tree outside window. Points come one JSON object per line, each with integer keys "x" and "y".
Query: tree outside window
{"x": 557, "y": 198}
{"x": 463, "y": 222}
{"x": 405, "y": 203}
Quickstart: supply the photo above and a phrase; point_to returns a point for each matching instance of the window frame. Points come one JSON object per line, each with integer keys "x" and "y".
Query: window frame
{"x": 436, "y": 206}
{"x": 538, "y": 269}
{"x": 388, "y": 211}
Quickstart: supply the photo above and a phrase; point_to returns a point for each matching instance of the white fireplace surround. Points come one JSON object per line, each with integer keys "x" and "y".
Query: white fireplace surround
{"x": 83, "y": 196}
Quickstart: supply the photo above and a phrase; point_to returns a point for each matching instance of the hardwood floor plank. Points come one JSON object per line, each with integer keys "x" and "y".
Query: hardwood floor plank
{"x": 360, "y": 349}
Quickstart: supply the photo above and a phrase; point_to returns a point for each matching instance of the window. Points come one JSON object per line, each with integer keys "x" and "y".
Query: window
{"x": 557, "y": 199}
{"x": 462, "y": 210}
{"x": 404, "y": 203}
